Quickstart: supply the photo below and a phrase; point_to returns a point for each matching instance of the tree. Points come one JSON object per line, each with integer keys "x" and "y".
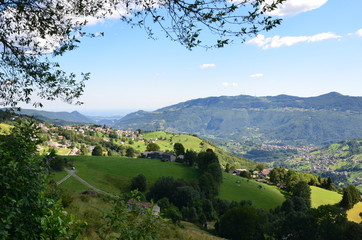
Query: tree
{"x": 302, "y": 190}
{"x": 245, "y": 174}
{"x": 260, "y": 167}
{"x": 130, "y": 152}
{"x": 351, "y": 196}
{"x": 190, "y": 157}
{"x": 240, "y": 223}
{"x": 44, "y": 26}
{"x": 278, "y": 175}
{"x": 26, "y": 213}
{"x": 208, "y": 186}
{"x": 204, "y": 159}
{"x": 84, "y": 150}
{"x": 163, "y": 187}
{"x": 179, "y": 149}
{"x": 97, "y": 151}
{"x": 139, "y": 182}
{"x": 152, "y": 147}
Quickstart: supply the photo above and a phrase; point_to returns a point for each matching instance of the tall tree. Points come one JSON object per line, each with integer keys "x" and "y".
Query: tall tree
{"x": 97, "y": 151}
{"x": 302, "y": 190}
{"x": 32, "y": 29}
{"x": 26, "y": 213}
{"x": 179, "y": 149}
{"x": 139, "y": 182}
{"x": 351, "y": 196}
{"x": 152, "y": 147}
{"x": 240, "y": 223}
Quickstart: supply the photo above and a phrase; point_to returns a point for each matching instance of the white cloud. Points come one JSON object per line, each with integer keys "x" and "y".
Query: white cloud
{"x": 359, "y": 32}
{"x": 207, "y": 65}
{"x": 277, "y": 41}
{"x": 256, "y": 75}
{"x": 229, "y": 84}
{"x": 294, "y": 7}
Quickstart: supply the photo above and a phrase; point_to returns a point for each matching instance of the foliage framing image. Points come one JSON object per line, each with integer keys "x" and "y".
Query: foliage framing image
{"x": 32, "y": 31}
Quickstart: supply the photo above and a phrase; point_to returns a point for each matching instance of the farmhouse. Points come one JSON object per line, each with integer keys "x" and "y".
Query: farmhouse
{"x": 143, "y": 206}
{"x": 163, "y": 156}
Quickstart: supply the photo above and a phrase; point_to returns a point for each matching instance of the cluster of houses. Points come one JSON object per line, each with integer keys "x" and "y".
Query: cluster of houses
{"x": 163, "y": 156}
{"x": 260, "y": 176}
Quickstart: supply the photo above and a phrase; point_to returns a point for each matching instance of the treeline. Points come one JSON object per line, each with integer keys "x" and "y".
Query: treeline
{"x": 193, "y": 201}
{"x": 287, "y": 178}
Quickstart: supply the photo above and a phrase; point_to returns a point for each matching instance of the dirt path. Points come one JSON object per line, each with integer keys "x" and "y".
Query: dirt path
{"x": 71, "y": 173}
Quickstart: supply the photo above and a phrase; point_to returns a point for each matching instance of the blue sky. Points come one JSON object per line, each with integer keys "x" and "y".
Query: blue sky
{"x": 317, "y": 49}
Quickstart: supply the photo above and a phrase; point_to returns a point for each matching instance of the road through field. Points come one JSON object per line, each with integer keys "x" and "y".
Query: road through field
{"x": 71, "y": 173}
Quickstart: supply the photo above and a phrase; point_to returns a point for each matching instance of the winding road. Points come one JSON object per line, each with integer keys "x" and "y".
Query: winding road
{"x": 71, "y": 173}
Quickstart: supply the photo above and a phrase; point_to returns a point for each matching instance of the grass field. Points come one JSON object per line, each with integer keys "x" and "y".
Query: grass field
{"x": 113, "y": 174}
{"x": 262, "y": 195}
{"x": 322, "y": 196}
{"x": 353, "y": 214}
{"x": 56, "y": 176}
{"x": 5, "y": 128}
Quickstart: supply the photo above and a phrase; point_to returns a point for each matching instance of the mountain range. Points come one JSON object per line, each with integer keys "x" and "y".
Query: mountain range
{"x": 60, "y": 118}
{"x": 287, "y": 119}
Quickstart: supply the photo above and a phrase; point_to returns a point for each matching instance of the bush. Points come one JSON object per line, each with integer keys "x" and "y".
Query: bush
{"x": 139, "y": 182}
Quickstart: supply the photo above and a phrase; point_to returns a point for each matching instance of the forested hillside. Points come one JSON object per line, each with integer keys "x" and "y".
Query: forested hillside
{"x": 293, "y": 120}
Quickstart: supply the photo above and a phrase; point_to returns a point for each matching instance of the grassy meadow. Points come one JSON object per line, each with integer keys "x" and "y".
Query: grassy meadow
{"x": 262, "y": 195}
{"x": 322, "y": 196}
{"x": 354, "y": 213}
{"x": 113, "y": 174}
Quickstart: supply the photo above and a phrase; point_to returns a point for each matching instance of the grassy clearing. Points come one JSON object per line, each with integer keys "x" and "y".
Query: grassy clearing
{"x": 167, "y": 140}
{"x": 235, "y": 188}
{"x": 353, "y": 214}
{"x": 5, "y": 128}
{"x": 113, "y": 174}
{"x": 322, "y": 196}
{"x": 74, "y": 185}
{"x": 56, "y": 176}
{"x": 63, "y": 151}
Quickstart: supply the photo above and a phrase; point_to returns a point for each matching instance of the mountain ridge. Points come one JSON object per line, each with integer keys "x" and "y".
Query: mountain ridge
{"x": 60, "y": 118}
{"x": 308, "y": 120}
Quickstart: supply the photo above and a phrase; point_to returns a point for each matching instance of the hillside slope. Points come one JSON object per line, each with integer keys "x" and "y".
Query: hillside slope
{"x": 317, "y": 120}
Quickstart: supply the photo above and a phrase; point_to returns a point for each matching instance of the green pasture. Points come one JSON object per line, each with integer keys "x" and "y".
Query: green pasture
{"x": 354, "y": 213}
{"x": 235, "y": 188}
{"x": 57, "y": 176}
{"x": 322, "y": 196}
{"x": 74, "y": 185}
{"x": 167, "y": 140}
{"x": 113, "y": 174}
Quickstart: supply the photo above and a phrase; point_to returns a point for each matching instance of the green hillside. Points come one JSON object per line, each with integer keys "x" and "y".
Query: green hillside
{"x": 113, "y": 174}
{"x": 262, "y": 195}
{"x": 295, "y": 120}
{"x": 322, "y": 196}
{"x": 166, "y": 141}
